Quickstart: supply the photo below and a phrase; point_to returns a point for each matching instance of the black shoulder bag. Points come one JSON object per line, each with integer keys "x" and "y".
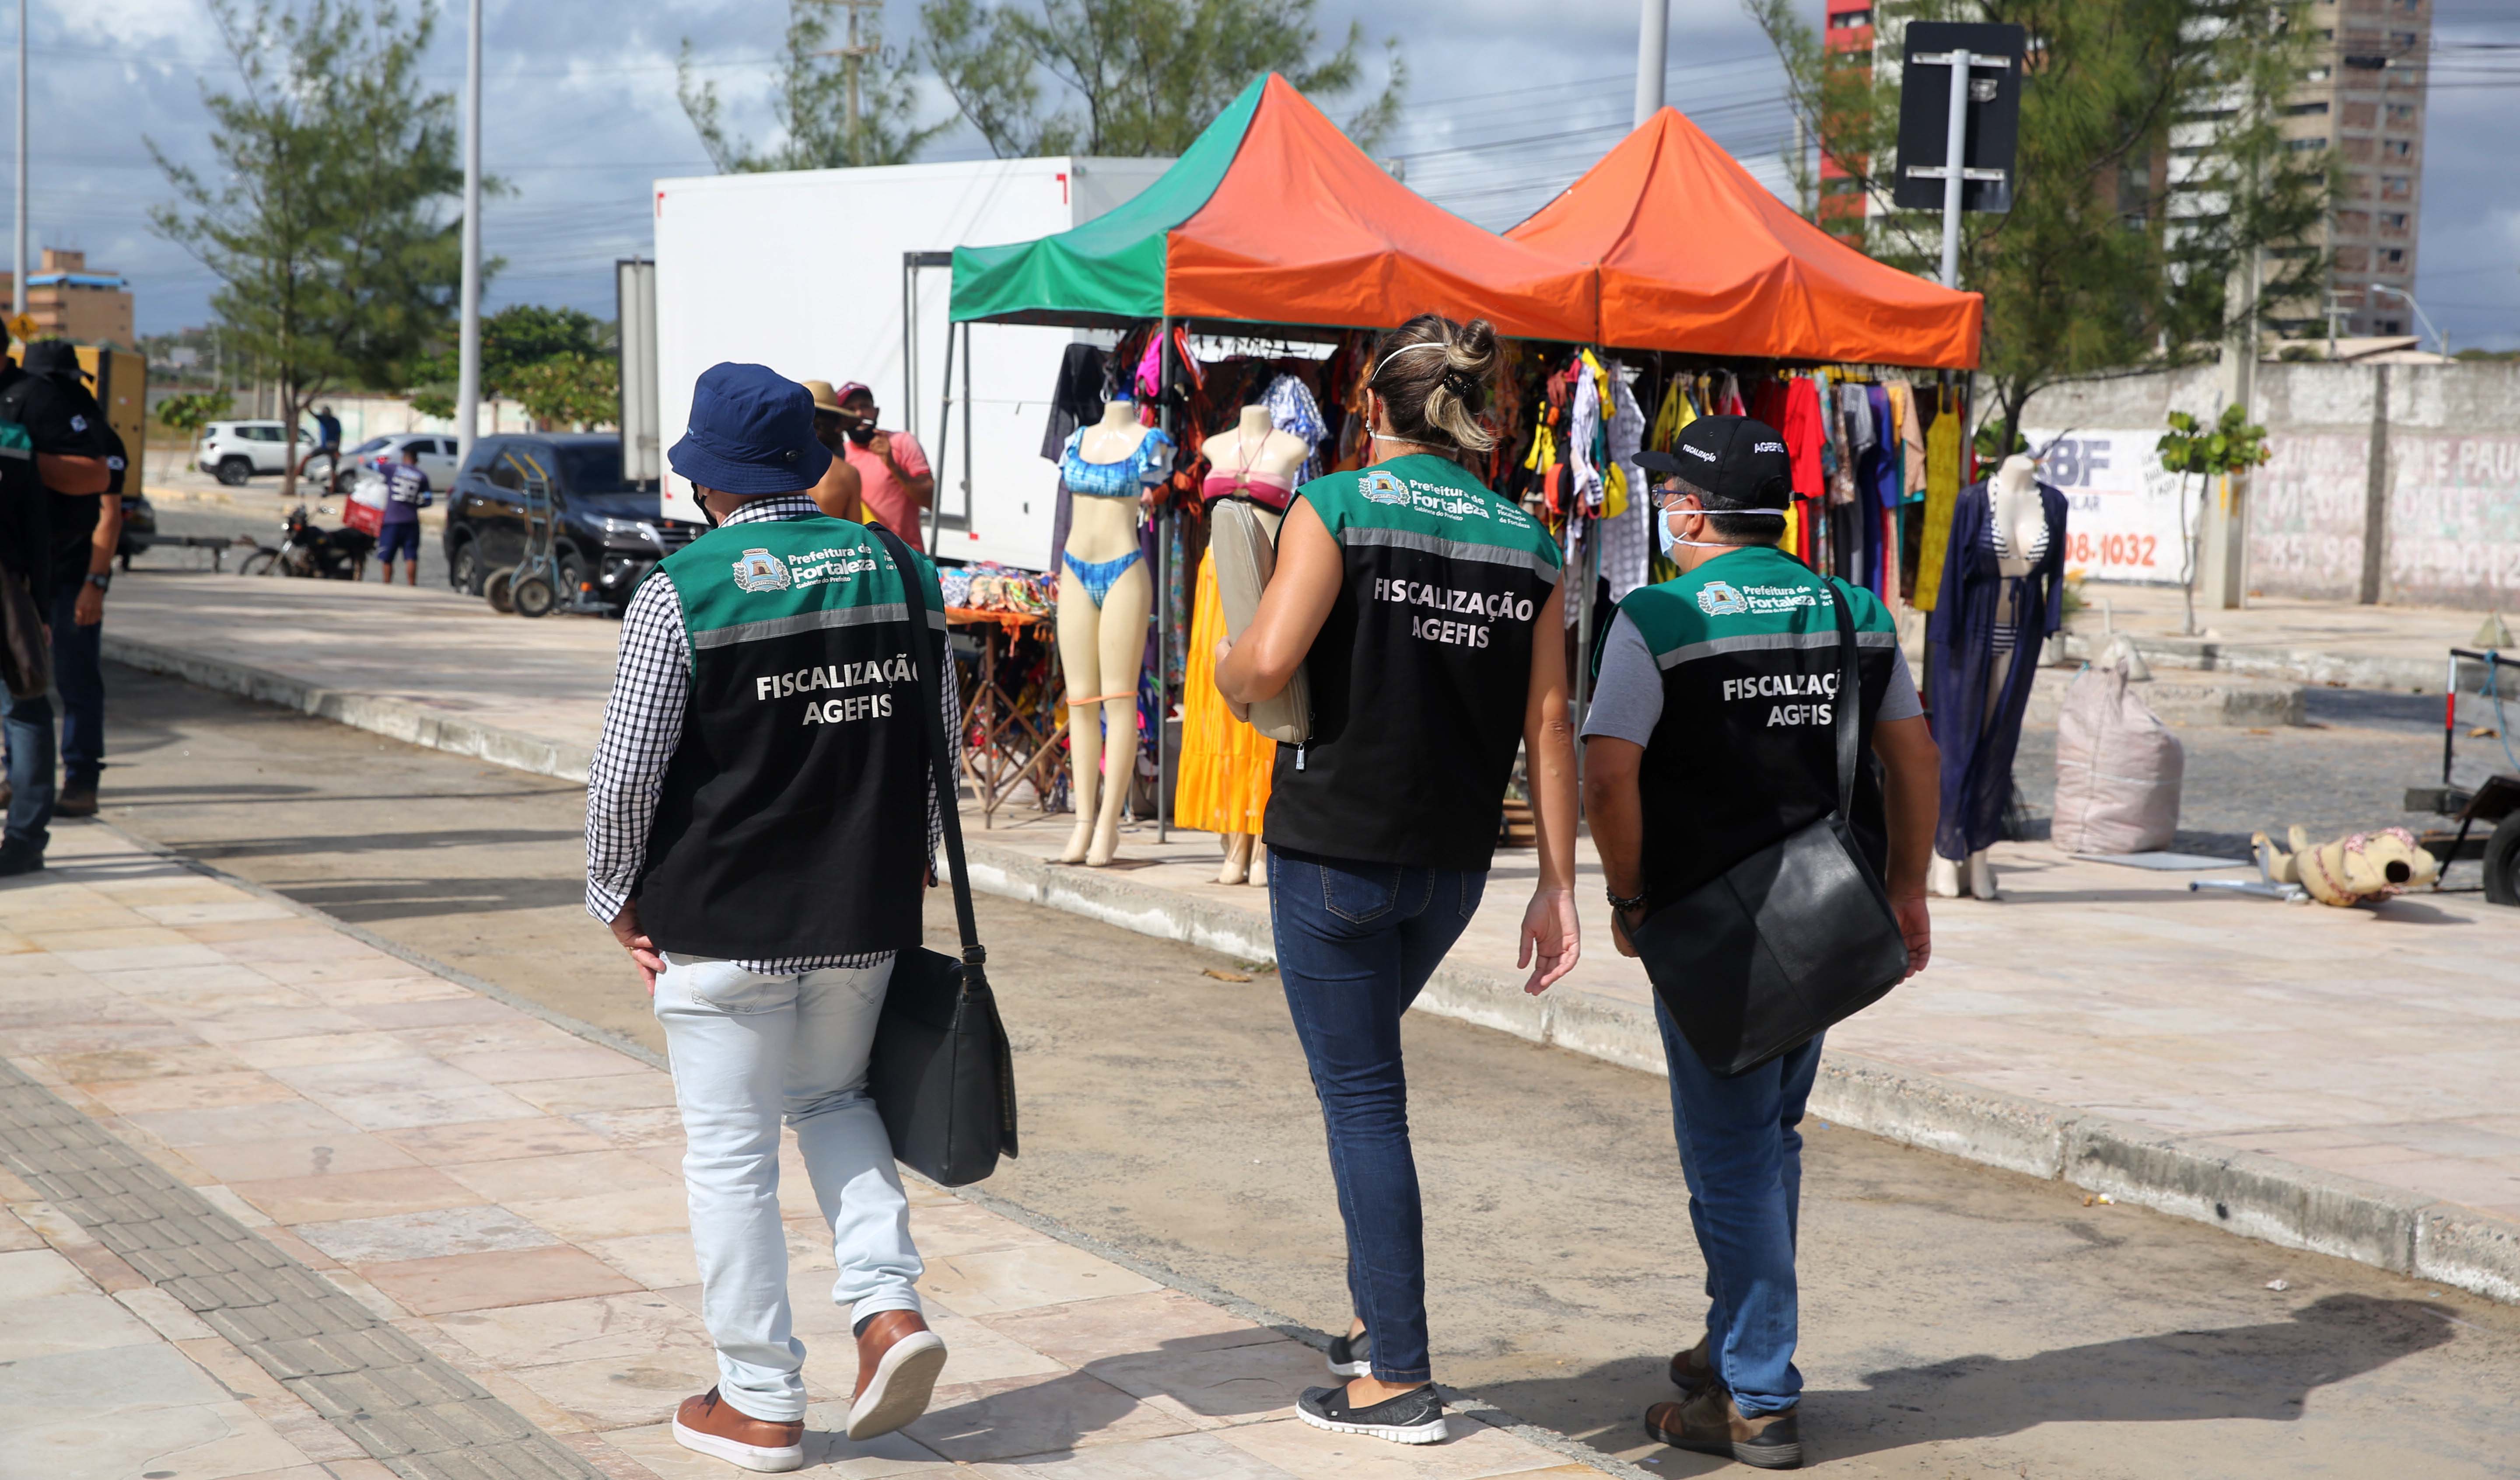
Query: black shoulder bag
{"x": 941, "y": 1073}
{"x": 1795, "y": 937}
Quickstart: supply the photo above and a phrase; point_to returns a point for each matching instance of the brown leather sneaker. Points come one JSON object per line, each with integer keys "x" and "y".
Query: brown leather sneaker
{"x": 1694, "y": 1369}
{"x": 710, "y": 1426}
{"x": 75, "y": 802}
{"x": 898, "y": 1360}
{"x": 1710, "y": 1424}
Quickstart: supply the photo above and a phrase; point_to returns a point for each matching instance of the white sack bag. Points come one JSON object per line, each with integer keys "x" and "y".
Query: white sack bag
{"x": 2118, "y": 770}
{"x": 1246, "y": 558}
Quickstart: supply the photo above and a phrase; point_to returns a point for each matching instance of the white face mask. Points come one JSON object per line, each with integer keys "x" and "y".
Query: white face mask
{"x": 1669, "y": 541}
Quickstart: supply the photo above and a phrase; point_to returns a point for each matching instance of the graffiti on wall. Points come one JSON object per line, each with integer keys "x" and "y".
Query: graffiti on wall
{"x": 2454, "y": 519}
{"x": 2305, "y": 515}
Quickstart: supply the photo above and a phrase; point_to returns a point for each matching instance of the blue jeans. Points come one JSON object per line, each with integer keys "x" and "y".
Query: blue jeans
{"x": 78, "y": 677}
{"x": 1743, "y": 1160}
{"x": 1356, "y": 942}
{"x": 747, "y": 1049}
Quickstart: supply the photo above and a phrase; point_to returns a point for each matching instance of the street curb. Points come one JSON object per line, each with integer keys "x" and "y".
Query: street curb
{"x": 395, "y": 719}
{"x": 2300, "y": 665}
{"x": 2258, "y": 1197}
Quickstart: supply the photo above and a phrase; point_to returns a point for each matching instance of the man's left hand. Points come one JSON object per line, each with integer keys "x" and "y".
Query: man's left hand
{"x": 643, "y": 951}
{"x": 1918, "y": 928}
{"x": 89, "y": 610}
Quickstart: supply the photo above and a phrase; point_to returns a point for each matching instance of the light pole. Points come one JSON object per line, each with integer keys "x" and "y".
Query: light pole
{"x": 2421, "y": 317}
{"x": 1653, "y": 47}
{"x": 17, "y": 279}
{"x": 468, "y": 374}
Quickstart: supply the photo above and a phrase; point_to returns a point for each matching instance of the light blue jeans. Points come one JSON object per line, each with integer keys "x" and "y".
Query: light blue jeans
{"x": 746, "y": 1050}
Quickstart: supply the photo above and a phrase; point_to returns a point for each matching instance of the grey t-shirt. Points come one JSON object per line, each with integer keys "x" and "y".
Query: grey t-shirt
{"x": 1626, "y": 703}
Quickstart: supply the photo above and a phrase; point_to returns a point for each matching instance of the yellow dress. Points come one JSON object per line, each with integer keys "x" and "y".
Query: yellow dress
{"x": 1224, "y": 763}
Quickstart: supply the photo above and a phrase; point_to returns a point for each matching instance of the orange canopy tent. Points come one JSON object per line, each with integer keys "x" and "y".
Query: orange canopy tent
{"x": 1274, "y": 216}
{"x": 1696, "y": 255}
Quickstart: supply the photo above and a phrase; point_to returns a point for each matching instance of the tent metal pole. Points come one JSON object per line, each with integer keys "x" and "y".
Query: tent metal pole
{"x": 944, "y": 432}
{"x": 1162, "y": 592}
{"x": 968, "y": 443}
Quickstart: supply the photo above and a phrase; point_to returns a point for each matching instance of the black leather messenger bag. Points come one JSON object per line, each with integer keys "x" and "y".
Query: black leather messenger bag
{"x": 1795, "y": 937}
{"x": 941, "y": 1073}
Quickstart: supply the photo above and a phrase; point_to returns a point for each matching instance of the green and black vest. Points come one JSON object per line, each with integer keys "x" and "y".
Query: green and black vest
{"x": 1745, "y": 754}
{"x": 794, "y": 820}
{"x": 1421, "y": 672}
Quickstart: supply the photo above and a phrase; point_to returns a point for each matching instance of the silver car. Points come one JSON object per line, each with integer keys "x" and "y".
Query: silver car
{"x": 436, "y": 454}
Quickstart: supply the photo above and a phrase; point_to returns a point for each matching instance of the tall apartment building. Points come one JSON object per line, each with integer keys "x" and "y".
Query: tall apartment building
{"x": 2363, "y": 96}
{"x": 1848, "y": 35}
{"x": 67, "y": 301}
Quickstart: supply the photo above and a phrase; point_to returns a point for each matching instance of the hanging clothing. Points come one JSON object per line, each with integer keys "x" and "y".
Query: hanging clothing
{"x": 1076, "y": 397}
{"x": 1627, "y": 532}
{"x": 1224, "y": 763}
{"x": 1911, "y": 441}
{"x": 1978, "y": 740}
{"x": 1802, "y": 432}
{"x": 1942, "y": 495}
{"x": 1291, "y": 408}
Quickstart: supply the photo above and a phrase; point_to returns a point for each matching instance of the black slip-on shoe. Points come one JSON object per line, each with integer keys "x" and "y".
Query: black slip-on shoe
{"x": 1709, "y": 1424}
{"x": 18, "y": 857}
{"x": 1416, "y": 1417}
{"x": 1352, "y": 1356}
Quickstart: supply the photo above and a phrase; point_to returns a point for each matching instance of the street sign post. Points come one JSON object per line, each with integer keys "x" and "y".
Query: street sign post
{"x": 1959, "y": 118}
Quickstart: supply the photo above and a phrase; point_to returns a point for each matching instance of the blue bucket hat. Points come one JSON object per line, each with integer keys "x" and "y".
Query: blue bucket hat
{"x": 751, "y": 433}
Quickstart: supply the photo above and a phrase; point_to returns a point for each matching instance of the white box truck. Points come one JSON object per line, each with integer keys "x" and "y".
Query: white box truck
{"x": 802, "y": 272}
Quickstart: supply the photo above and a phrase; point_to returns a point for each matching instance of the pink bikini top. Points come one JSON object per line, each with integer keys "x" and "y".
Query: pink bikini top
{"x": 1267, "y": 490}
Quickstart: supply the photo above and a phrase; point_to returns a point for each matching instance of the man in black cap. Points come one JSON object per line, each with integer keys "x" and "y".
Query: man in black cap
{"x": 760, "y": 822}
{"x": 1709, "y": 738}
{"x": 75, "y": 453}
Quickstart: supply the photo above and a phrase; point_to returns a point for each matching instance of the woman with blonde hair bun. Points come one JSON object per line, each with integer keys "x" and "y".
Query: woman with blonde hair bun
{"x": 1426, "y": 612}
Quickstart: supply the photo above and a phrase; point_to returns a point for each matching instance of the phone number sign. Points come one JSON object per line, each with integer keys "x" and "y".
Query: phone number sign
{"x": 2124, "y": 516}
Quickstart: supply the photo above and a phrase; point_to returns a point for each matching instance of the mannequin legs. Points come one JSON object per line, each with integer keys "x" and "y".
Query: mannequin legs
{"x": 1238, "y": 849}
{"x": 1946, "y": 877}
{"x": 1101, "y": 648}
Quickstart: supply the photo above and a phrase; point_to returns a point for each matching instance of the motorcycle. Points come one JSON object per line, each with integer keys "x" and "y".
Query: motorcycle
{"x": 308, "y": 549}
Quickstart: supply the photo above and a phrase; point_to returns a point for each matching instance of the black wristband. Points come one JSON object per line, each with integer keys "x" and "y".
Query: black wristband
{"x": 1623, "y": 906}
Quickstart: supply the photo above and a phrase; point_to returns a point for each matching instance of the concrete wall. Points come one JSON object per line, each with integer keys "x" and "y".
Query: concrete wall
{"x": 2388, "y": 482}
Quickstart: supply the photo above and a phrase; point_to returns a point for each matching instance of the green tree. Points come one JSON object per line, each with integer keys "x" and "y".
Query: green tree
{"x": 853, "y": 105}
{"x": 2100, "y": 264}
{"x": 191, "y": 412}
{"x": 569, "y": 389}
{"x": 1135, "y": 76}
{"x": 322, "y": 219}
{"x": 513, "y": 340}
{"x": 2191, "y": 449}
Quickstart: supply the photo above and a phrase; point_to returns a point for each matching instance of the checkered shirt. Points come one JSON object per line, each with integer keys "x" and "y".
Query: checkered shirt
{"x": 642, "y": 723}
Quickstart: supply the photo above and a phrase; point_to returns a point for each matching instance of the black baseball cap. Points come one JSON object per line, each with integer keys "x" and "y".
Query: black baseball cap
{"x": 1739, "y": 462}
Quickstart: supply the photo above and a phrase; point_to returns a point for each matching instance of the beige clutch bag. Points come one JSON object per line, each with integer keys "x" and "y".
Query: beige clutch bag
{"x": 1245, "y": 555}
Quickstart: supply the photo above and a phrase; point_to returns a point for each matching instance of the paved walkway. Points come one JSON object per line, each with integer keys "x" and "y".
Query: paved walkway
{"x": 2368, "y": 1043}
{"x": 276, "y": 1200}
{"x": 2400, "y": 647}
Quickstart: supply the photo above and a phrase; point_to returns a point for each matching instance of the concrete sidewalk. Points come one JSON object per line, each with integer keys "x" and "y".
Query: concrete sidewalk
{"x": 2402, "y": 649}
{"x": 280, "y": 1204}
{"x": 2212, "y": 1056}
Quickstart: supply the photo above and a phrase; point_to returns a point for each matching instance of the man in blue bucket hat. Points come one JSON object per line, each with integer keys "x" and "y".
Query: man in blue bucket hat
{"x": 760, "y": 824}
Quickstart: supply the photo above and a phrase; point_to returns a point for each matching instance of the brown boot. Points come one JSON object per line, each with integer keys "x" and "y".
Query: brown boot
{"x": 1694, "y": 1369}
{"x": 1710, "y": 1424}
{"x": 898, "y": 1360}
{"x": 710, "y": 1426}
{"x": 75, "y": 802}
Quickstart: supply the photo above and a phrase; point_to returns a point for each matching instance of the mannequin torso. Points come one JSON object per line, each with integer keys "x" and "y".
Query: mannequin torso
{"x": 1255, "y": 447}
{"x": 1099, "y": 529}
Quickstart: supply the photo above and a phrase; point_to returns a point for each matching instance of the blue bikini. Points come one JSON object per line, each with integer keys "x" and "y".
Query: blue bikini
{"x": 1122, "y": 479}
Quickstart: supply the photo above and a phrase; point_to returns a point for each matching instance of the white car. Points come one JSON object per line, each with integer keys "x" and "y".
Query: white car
{"x": 436, "y": 454}
{"x": 235, "y": 451}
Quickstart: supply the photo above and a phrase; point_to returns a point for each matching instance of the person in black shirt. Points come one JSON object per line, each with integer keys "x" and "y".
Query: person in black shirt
{"x": 73, "y": 460}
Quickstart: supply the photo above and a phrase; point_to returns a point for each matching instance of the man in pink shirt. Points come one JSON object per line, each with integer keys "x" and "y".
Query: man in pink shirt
{"x": 893, "y": 467}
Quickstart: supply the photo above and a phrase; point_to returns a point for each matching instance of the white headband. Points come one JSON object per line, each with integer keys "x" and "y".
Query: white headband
{"x": 1397, "y": 353}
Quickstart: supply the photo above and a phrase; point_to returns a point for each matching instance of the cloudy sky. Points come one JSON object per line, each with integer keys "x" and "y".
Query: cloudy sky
{"x": 1510, "y": 98}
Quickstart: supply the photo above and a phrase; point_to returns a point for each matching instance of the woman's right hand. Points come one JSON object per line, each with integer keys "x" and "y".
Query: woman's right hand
{"x": 1551, "y": 943}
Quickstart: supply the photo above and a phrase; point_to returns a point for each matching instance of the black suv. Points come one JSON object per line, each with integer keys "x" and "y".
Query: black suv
{"x": 608, "y": 532}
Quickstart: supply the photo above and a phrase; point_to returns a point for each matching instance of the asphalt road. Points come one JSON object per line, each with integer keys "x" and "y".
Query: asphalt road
{"x": 1957, "y": 1320}
{"x": 254, "y": 511}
